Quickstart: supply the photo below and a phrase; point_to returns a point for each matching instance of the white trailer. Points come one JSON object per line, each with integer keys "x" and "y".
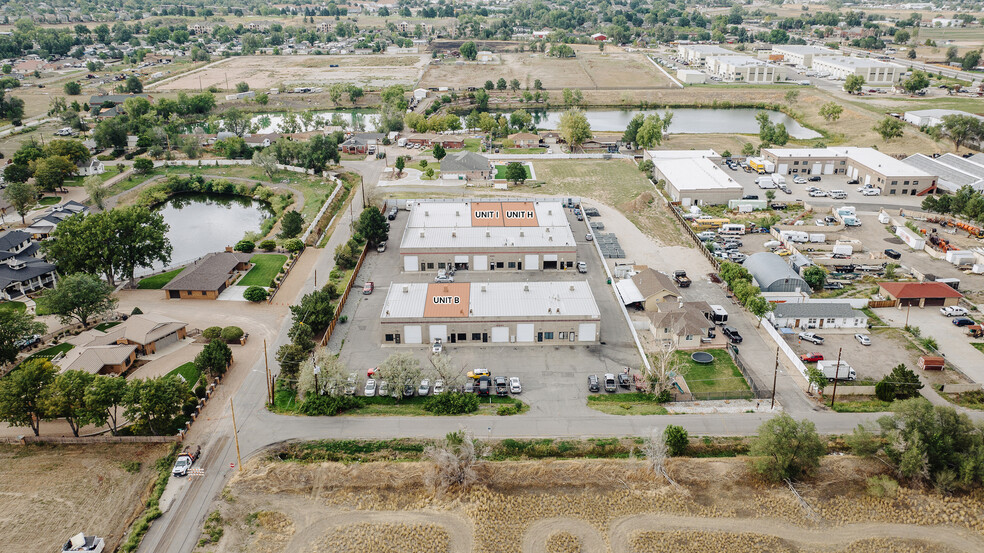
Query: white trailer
{"x": 778, "y": 179}
{"x": 832, "y": 371}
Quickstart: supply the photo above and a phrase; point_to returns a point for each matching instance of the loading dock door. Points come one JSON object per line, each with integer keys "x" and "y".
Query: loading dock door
{"x": 783, "y": 168}
{"x": 500, "y": 334}
{"x": 524, "y": 332}
{"x": 532, "y": 262}
{"x": 828, "y": 169}
{"x": 412, "y": 334}
{"x": 410, "y": 263}
{"x": 438, "y": 332}
{"x": 549, "y": 261}
{"x": 816, "y": 169}
{"x": 586, "y": 332}
{"x": 481, "y": 263}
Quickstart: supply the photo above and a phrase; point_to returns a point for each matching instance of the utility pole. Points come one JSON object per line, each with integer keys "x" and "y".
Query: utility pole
{"x": 316, "y": 371}
{"x": 362, "y": 184}
{"x": 908, "y": 307}
{"x": 236, "y": 434}
{"x": 269, "y": 377}
{"x": 775, "y": 376}
{"x": 833, "y": 395}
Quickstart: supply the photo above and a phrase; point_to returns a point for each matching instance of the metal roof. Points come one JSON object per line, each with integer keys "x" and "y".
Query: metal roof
{"x": 696, "y": 174}
{"x": 772, "y": 274}
{"x": 950, "y": 178}
{"x": 500, "y": 300}
{"x": 738, "y": 61}
{"x": 845, "y": 62}
{"x": 883, "y": 163}
{"x": 456, "y": 214}
{"x": 801, "y": 49}
{"x": 817, "y": 310}
{"x": 488, "y": 237}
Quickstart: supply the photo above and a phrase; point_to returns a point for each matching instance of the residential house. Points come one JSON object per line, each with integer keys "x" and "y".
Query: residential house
{"x": 260, "y": 140}
{"x": 149, "y": 332}
{"x": 325, "y": 26}
{"x": 91, "y": 167}
{"x": 43, "y": 226}
{"x": 685, "y": 325}
{"x": 104, "y": 106}
{"x": 21, "y": 270}
{"x": 465, "y": 165}
{"x": 525, "y": 140}
{"x": 362, "y": 143}
{"x": 208, "y": 277}
{"x": 817, "y": 315}
{"x": 920, "y": 294}
{"x": 647, "y": 289}
{"x": 98, "y": 359}
{"x": 426, "y": 140}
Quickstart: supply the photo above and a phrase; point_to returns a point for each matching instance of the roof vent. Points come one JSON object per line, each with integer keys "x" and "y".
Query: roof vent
{"x": 457, "y": 213}
{"x": 549, "y": 310}
{"x": 549, "y": 212}
{"x": 406, "y": 288}
{"x": 427, "y": 213}
{"x": 558, "y": 311}
{"x": 488, "y": 234}
{"x": 522, "y": 233}
{"x": 421, "y": 234}
{"x": 572, "y": 287}
{"x": 485, "y": 288}
{"x": 550, "y": 238}
{"x": 454, "y": 234}
{"x": 526, "y": 287}
{"x": 387, "y": 312}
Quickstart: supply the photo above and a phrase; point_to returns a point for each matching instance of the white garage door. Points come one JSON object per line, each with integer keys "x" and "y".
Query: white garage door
{"x": 816, "y": 169}
{"x": 783, "y": 168}
{"x": 524, "y": 333}
{"x": 867, "y": 179}
{"x": 410, "y": 263}
{"x": 166, "y": 341}
{"x": 411, "y": 335}
{"x": 500, "y": 334}
{"x": 686, "y": 202}
{"x": 828, "y": 169}
{"x": 438, "y": 332}
{"x": 532, "y": 262}
{"x": 481, "y": 263}
{"x": 461, "y": 259}
{"x": 854, "y": 173}
{"x": 550, "y": 257}
{"x": 586, "y": 332}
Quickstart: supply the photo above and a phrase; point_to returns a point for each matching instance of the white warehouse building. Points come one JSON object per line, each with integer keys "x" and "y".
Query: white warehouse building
{"x": 741, "y": 69}
{"x": 801, "y": 54}
{"x": 697, "y": 54}
{"x": 694, "y": 177}
{"x": 875, "y": 73}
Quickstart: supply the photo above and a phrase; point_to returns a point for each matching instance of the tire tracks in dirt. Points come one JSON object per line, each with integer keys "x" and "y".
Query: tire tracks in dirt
{"x": 536, "y": 536}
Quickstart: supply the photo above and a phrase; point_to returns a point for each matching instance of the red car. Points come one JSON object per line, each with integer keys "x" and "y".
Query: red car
{"x": 811, "y": 357}
{"x": 368, "y": 288}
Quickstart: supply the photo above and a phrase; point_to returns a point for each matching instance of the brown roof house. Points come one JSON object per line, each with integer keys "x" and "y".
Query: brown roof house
{"x": 647, "y": 289}
{"x": 685, "y": 325}
{"x": 920, "y": 294}
{"x": 148, "y": 332}
{"x": 103, "y": 359}
{"x": 525, "y": 140}
{"x": 208, "y": 277}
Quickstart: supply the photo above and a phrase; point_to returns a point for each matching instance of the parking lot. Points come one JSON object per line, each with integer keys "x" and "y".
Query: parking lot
{"x": 554, "y": 377}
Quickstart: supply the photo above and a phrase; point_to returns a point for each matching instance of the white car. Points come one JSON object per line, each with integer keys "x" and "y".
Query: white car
{"x": 871, "y": 192}
{"x": 818, "y": 194}
{"x": 799, "y": 180}
{"x": 514, "y": 386}
{"x": 863, "y": 339}
{"x": 424, "y": 388}
{"x": 438, "y": 346}
{"x": 370, "y": 390}
{"x": 865, "y": 187}
{"x": 953, "y": 311}
{"x": 707, "y": 235}
{"x": 438, "y": 386}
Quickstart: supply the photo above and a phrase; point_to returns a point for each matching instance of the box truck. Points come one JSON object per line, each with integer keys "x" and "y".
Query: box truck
{"x": 832, "y": 371}
{"x": 778, "y": 179}
{"x": 765, "y": 182}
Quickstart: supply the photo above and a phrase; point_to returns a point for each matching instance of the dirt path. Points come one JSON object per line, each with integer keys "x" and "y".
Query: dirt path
{"x": 535, "y": 539}
{"x": 457, "y": 528}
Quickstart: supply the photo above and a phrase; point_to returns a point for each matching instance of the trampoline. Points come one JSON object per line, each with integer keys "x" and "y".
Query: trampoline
{"x": 702, "y": 357}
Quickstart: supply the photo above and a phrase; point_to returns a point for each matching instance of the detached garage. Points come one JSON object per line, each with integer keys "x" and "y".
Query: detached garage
{"x": 920, "y": 294}
{"x": 534, "y": 313}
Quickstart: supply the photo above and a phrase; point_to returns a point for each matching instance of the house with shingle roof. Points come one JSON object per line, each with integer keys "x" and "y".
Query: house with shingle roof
{"x": 465, "y": 165}
{"x": 685, "y": 325}
{"x": 21, "y": 270}
{"x": 208, "y": 277}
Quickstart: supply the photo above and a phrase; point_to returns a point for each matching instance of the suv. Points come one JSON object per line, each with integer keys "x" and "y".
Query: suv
{"x": 593, "y": 385}
{"x": 811, "y": 337}
{"x": 443, "y": 276}
{"x": 484, "y": 386}
{"x": 892, "y": 253}
{"x": 392, "y": 213}
{"x": 953, "y": 311}
{"x": 610, "y": 385}
{"x": 963, "y": 321}
{"x": 814, "y": 178}
{"x": 732, "y": 334}
{"x": 582, "y": 267}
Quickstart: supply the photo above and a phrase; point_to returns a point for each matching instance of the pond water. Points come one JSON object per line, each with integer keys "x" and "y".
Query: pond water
{"x": 204, "y": 223}
{"x": 685, "y": 120}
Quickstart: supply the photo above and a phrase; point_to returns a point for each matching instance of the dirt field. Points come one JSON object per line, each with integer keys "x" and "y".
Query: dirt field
{"x": 271, "y": 72}
{"x": 590, "y": 506}
{"x": 52, "y": 493}
{"x": 590, "y": 70}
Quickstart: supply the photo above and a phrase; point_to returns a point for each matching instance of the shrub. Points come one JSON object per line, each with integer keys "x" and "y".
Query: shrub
{"x": 328, "y": 406}
{"x": 786, "y": 448}
{"x": 506, "y": 410}
{"x": 246, "y": 246}
{"x": 293, "y": 245}
{"x": 136, "y": 311}
{"x": 268, "y": 245}
{"x": 255, "y": 294}
{"x": 200, "y": 391}
{"x": 232, "y": 333}
{"x": 885, "y": 390}
{"x": 452, "y": 403}
{"x": 677, "y": 439}
{"x": 883, "y": 486}
{"x": 212, "y": 332}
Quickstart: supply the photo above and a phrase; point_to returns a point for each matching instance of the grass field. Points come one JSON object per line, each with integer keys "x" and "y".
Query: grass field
{"x": 720, "y": 376}
{"x": 634, "y": 403}
{"x": 49, "y": 353}
{"x": 157, "y": 282}
{"x": 103, "y": 327}
{"x": 265, "y": 268}
{"x": 188, "y": 371}
{"x": 500, "y": 171}
{"x": 612, "y": 182}
{"x": 105, "y": 176}
{"x": 960, "y": 34}
{"x": 860, "y": 404}
{"x": 49, "y": 200}
{"x": 17, "y": 306}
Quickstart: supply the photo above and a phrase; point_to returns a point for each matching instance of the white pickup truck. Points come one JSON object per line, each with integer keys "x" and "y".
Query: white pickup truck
{"x": 185, "y": 460}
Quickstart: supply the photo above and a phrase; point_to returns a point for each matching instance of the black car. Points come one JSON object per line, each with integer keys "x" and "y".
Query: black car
{"x": 732, "y": 334}
{"x": 408, "y": 389}
{"x": 484, "y": 385}
{"x": 623, "y": 380}
{"x": 750, "y": 197}
{"x": 392, "y": 213}
{"x": 892, "y": 253}
{"x": 963, "y": 321}
{"x": 853, "y": 181}
{"x": 814, "y": 178}
{"x": 593, "y": 384}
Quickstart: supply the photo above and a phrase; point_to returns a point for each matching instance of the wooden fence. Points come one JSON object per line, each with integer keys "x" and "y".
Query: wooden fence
{"x": 881, "y": 303}
{"x": 345, "y": 295}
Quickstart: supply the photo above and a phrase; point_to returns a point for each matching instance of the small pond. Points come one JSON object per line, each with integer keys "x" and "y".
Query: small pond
{"x": 203, "y": 223}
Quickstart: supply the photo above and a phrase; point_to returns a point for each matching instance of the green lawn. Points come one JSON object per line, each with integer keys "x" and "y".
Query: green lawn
{"x": 861, "y": 405}
{"x": 720, "y": 376}
{"x": 157, "y": 282}
{"x": 77, "y": 181}
{"x": 500, "y": 171}
{"x": 970, "y": 400}
{"x": 978, "y": 345}
{"x": 612, "y": 182}
{"x": 188, "y": 371}
{"x": 17, "y": 306}
{"x": 103, "y": 327}
{"x": 49, "y": 353}
{"x": 267, "y": 265}
{"x": 523, "y": 150}
{"x": 633, "y": 403}
{"x": 414, "y": 407}
{"x": 49, "y": 200}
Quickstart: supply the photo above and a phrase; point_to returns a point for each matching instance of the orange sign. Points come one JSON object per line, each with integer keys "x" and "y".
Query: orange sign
{"x": 447, "y": 300}
{"x": 503, "y": 214}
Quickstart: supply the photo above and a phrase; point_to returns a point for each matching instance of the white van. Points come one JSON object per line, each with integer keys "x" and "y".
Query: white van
{"x": 837, "y": 194}
{"x": 732, "y": 229}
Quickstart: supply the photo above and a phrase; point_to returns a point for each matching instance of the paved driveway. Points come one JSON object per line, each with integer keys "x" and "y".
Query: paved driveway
{"x": 953, "y": 342}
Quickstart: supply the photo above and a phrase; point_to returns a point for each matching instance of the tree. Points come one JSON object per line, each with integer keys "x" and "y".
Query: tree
{"x": 315, "y": 310}
{"x": 65, "y": 398}
{"x": 918, "y": 81}
{"x": 21, "y": 195}
{"x": 17, "y": 172}
{"x": 961, "y": 128}
{"x": 111, "y": 133}
{"x": 792, "y": 96}
{"x": 663, "y": 366}
{"x": 245, "y": 246}
{"x": 815, "y": 276}
{"x": 73, "y": 88}
{"x": 758, "y": 306}
{"x": 237, "y": 122}
{"x": 94, "y": 188}
{"x": 677, "y": 439}
{"x": 242, "y": 87}
{"x": 142, "y": 165}
{"x": 889, "y": 128}
{"x": 650, "y": 133}
{"x": 537, "y": 84}
{"x": 214, "y": 359}
{"x": 141, "y": 239}
{"x": 816, "y": 378}
{"x": 574, "y": 128}
{"x": 905, "y": 381}
{"x": 255, "y": 294}
{"x": 133, "y": 85}
{"x": 372, "y": 225}
{"x": 748, "y": 149}
{"x": 152, "y": 404}
{"x": 456, "y": 462}
{"x": 489, "y": 85}
{"x": 51, "y": 172}
{"x": 853, "y": 84}
{"x": 901, "y": 37}
{"x": 970, "y": 60}
{"x": 468, "y": 51}
{"x": 103, "y": 398}
{"x": 500, "y": 84}
{"x": 831, "y": 111}
{"x": 78, "y": 297}
{"x": 629, "y": 136}
{"x": 291, "y": 224}
{"x": 14, "y": 326}
{"x": 439, "y": 152}
{"x": 516, "y": 172}
{"x": 266, "y": 160}
{"x": 400, "y": 369}
{"x": 911, "y": 54}
{"x": 400, "y": 165}
{"x": 21, "y": 394}
{"x": 786, "y": 449}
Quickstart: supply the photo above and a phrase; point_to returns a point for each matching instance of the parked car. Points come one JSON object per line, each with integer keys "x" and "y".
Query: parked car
{"x": 484, "y": 386}
{"x": 863, "y": 339}
{"x": 785, "y": 189}
{"x": 582, "y": 267}
{"x": 588, "y": 237}
{"x": 892, "y": 253}
{"x": 732, "y": 334}
{"x": 370, "y": 390}
{"x": 443, "y": 276}
{"x": 593, "y": 385}
{"x": 811, "y": 357}
{"x": 368, "y": 288}
{"x": 515, "y": 387}
{"x": 799, "y": 180}
{"x": 408, "y": 389}
{"x": 479, "y": 373}
{"x": 438, "y": 346}
{"x": 424, "y": 388}
{"x": 963, "y": 321}
{"x": 953, "y": 311}
{"x": 384, "y": 388}
{"x": 814, "y": 178}
{"x": 438, "y": 386}
{"x": 610, "y": 385}
{"x": 750, "y": 197}
{"x": 811, "y": 337}
{"x": 624, "y": 381}
{"x": 350, "y": 385}
{"x": 392, "y": 213}
{"x": 706, "y": 235}
{"x": 501, "y": 386}
{"x": 853, "y": 181}
{"x": 381, "y": 247}
{"x": 28, "y": 341}
{"x": 469, "y": 387}
{"x": 818, "y": 194}
{"x": 871, "y": 192}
